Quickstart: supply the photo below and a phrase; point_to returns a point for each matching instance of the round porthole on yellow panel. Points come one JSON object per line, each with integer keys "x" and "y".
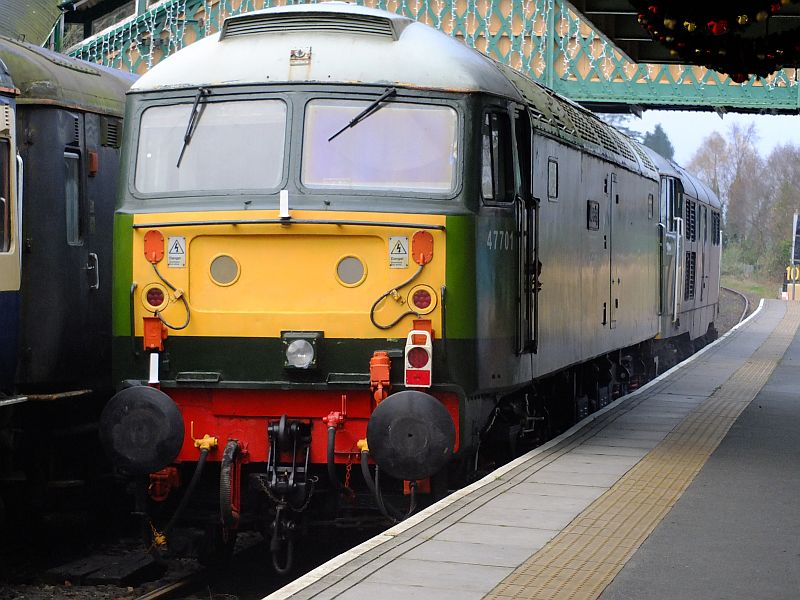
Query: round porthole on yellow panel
{"x": 422, "y": 299}
{"x": 351, "y": 271}
{"x": 155, "y": 297}
{"x": 224, "y": 270}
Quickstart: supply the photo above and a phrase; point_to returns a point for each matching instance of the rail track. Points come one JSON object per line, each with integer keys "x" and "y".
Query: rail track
{"x": 744, "y": 299}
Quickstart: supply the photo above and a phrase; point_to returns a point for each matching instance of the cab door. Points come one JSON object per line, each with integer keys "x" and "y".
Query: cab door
{"x": 615, "y": 280}
{"x": 527, "y": 215}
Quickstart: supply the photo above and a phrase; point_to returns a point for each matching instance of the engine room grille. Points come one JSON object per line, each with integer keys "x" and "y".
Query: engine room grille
{"x": 76, "y": 132}
{"x": 715, "y": 227}
{"x": 110, "y": 132}
{"x": 305, "y": 23}
{"x": 691, "y": 221}
{"x": 689, "y": 271}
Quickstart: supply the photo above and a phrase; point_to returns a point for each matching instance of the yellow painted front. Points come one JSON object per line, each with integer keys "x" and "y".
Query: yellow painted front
{"x": 287, "y": 277}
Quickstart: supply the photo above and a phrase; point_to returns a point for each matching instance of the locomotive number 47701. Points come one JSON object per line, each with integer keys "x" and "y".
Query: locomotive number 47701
{"x": 500, "y": 239}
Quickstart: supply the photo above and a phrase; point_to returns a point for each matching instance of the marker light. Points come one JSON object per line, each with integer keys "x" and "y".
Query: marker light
{"x": 155, "y": 297}
{"x": 421, "y": 299}
{"x": 299, "y": 354}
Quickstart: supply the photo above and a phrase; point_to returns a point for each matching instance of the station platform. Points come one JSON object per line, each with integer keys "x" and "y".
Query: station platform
{"x": 688, "y": 488}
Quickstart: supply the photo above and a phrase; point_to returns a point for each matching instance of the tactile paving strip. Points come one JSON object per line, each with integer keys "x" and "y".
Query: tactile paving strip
{"x": 585, "y": 557}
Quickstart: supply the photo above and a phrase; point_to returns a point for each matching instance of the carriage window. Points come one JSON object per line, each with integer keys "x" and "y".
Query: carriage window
{"x": 72, "y": 198}
{"x": 497, "y": 169}
{"x": 235, "y": 146}
{"x": 400, "y": 147}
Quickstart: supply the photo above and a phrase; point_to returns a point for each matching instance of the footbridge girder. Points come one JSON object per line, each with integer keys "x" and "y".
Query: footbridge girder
{"x": 545, "y": 39}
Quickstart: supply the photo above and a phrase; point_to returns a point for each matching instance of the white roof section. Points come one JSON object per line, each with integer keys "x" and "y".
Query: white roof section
{"x": 382, "y": 48}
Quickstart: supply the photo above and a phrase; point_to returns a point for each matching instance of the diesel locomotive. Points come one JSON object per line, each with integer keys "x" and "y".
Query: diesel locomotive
{"x": 345, "y": 239}
{"x": 60, "y": 134}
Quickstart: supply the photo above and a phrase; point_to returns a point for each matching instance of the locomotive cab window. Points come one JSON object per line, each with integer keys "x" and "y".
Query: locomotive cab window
{"x": 399, "y": 147}
{"x": 233, "y": 146}
{"x": 497, "y": 164}
{"x": 72, "y": 203}
{"x": 5, "y": 196}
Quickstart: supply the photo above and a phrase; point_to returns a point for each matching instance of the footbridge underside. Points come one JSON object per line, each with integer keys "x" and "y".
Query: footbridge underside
{"x": 545, "y": 39}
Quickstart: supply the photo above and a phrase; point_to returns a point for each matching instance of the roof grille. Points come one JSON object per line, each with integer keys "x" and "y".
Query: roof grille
{"x": 624, "y": 145}
{"x": 309, "y": 23}
{"x": 643, "y": 155}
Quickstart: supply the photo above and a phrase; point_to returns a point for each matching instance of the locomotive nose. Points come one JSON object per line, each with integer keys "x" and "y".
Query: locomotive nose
{"x": 411, "y": 435}
{"x": 141, "y": 429}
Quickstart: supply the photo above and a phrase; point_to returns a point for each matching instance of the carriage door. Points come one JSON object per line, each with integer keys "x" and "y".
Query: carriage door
{"x": 9, "y": 246}
{"x": 615, "y": 281}
{"x": 526, "y": 210}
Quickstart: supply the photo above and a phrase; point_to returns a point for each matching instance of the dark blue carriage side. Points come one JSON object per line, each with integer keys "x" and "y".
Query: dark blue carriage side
{"x": 59, "y": 159}
{"x": 68, "y": 121}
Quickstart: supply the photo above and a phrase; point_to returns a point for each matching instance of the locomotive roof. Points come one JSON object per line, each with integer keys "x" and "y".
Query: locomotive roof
{"x": 45, "y": 77}
{"x": 384, "y": 49}
{"x": 691, "y": 184}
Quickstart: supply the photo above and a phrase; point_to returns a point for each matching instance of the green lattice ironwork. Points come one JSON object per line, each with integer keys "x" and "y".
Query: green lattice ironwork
{"x": 542, "y": 38}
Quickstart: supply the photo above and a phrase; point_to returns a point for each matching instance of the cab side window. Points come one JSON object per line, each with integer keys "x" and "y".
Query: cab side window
{"x": 5, "y": 195}
{"x": 497, "y": 165}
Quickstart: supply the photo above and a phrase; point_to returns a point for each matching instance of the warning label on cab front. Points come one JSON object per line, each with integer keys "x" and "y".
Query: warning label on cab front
{"x": 398, "y": 252}
{"x": 176, "y": 252}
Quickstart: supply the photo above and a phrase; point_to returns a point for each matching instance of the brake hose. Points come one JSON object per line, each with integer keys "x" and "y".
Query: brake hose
{"x": 181, "y": 505}
{"x": 387, "y": 510}
{"x": 393, "y": 292}
{"x": 179, "y": 294}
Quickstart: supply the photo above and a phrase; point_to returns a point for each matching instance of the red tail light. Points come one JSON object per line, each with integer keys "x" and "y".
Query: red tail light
{"x": 421, "y": 299}
{"x": 155, "y": 296}
{"x": 419, "y": 359}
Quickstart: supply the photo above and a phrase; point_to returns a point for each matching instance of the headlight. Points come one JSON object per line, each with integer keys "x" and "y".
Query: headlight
{"x": 300, "y": 349}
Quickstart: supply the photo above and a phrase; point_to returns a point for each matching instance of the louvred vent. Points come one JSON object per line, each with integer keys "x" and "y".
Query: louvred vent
{"x": 308, "y": 23}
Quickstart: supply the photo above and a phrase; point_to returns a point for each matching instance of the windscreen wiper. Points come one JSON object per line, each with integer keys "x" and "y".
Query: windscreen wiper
{"x": 372, "y": 108}
{"x": 193, "y": 119}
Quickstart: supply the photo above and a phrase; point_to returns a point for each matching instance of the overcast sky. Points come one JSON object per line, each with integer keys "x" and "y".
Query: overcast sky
{"x": 687, "y": 130}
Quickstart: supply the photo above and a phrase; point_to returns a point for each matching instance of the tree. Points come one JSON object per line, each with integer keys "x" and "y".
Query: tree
{"x": 759, "y": 197}
{"x": 659, "y": 141}
{"x": 621, "y": 122}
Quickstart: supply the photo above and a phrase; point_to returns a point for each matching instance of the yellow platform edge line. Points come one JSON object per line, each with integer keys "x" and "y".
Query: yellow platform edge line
{"x": 582, "y": 560}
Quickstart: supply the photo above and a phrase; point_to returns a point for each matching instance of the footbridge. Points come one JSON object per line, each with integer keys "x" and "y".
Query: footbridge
{"x": 545, "y": 39}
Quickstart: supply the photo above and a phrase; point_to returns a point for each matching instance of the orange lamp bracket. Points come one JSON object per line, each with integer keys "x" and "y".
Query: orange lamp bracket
{"x": 154, "y": 246}
{"x": 154, "y": 334}
{"x": 422, "y": 247}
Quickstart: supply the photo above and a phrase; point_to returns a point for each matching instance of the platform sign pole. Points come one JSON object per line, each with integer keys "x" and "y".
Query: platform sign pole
{"x": 795, "y": 252}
